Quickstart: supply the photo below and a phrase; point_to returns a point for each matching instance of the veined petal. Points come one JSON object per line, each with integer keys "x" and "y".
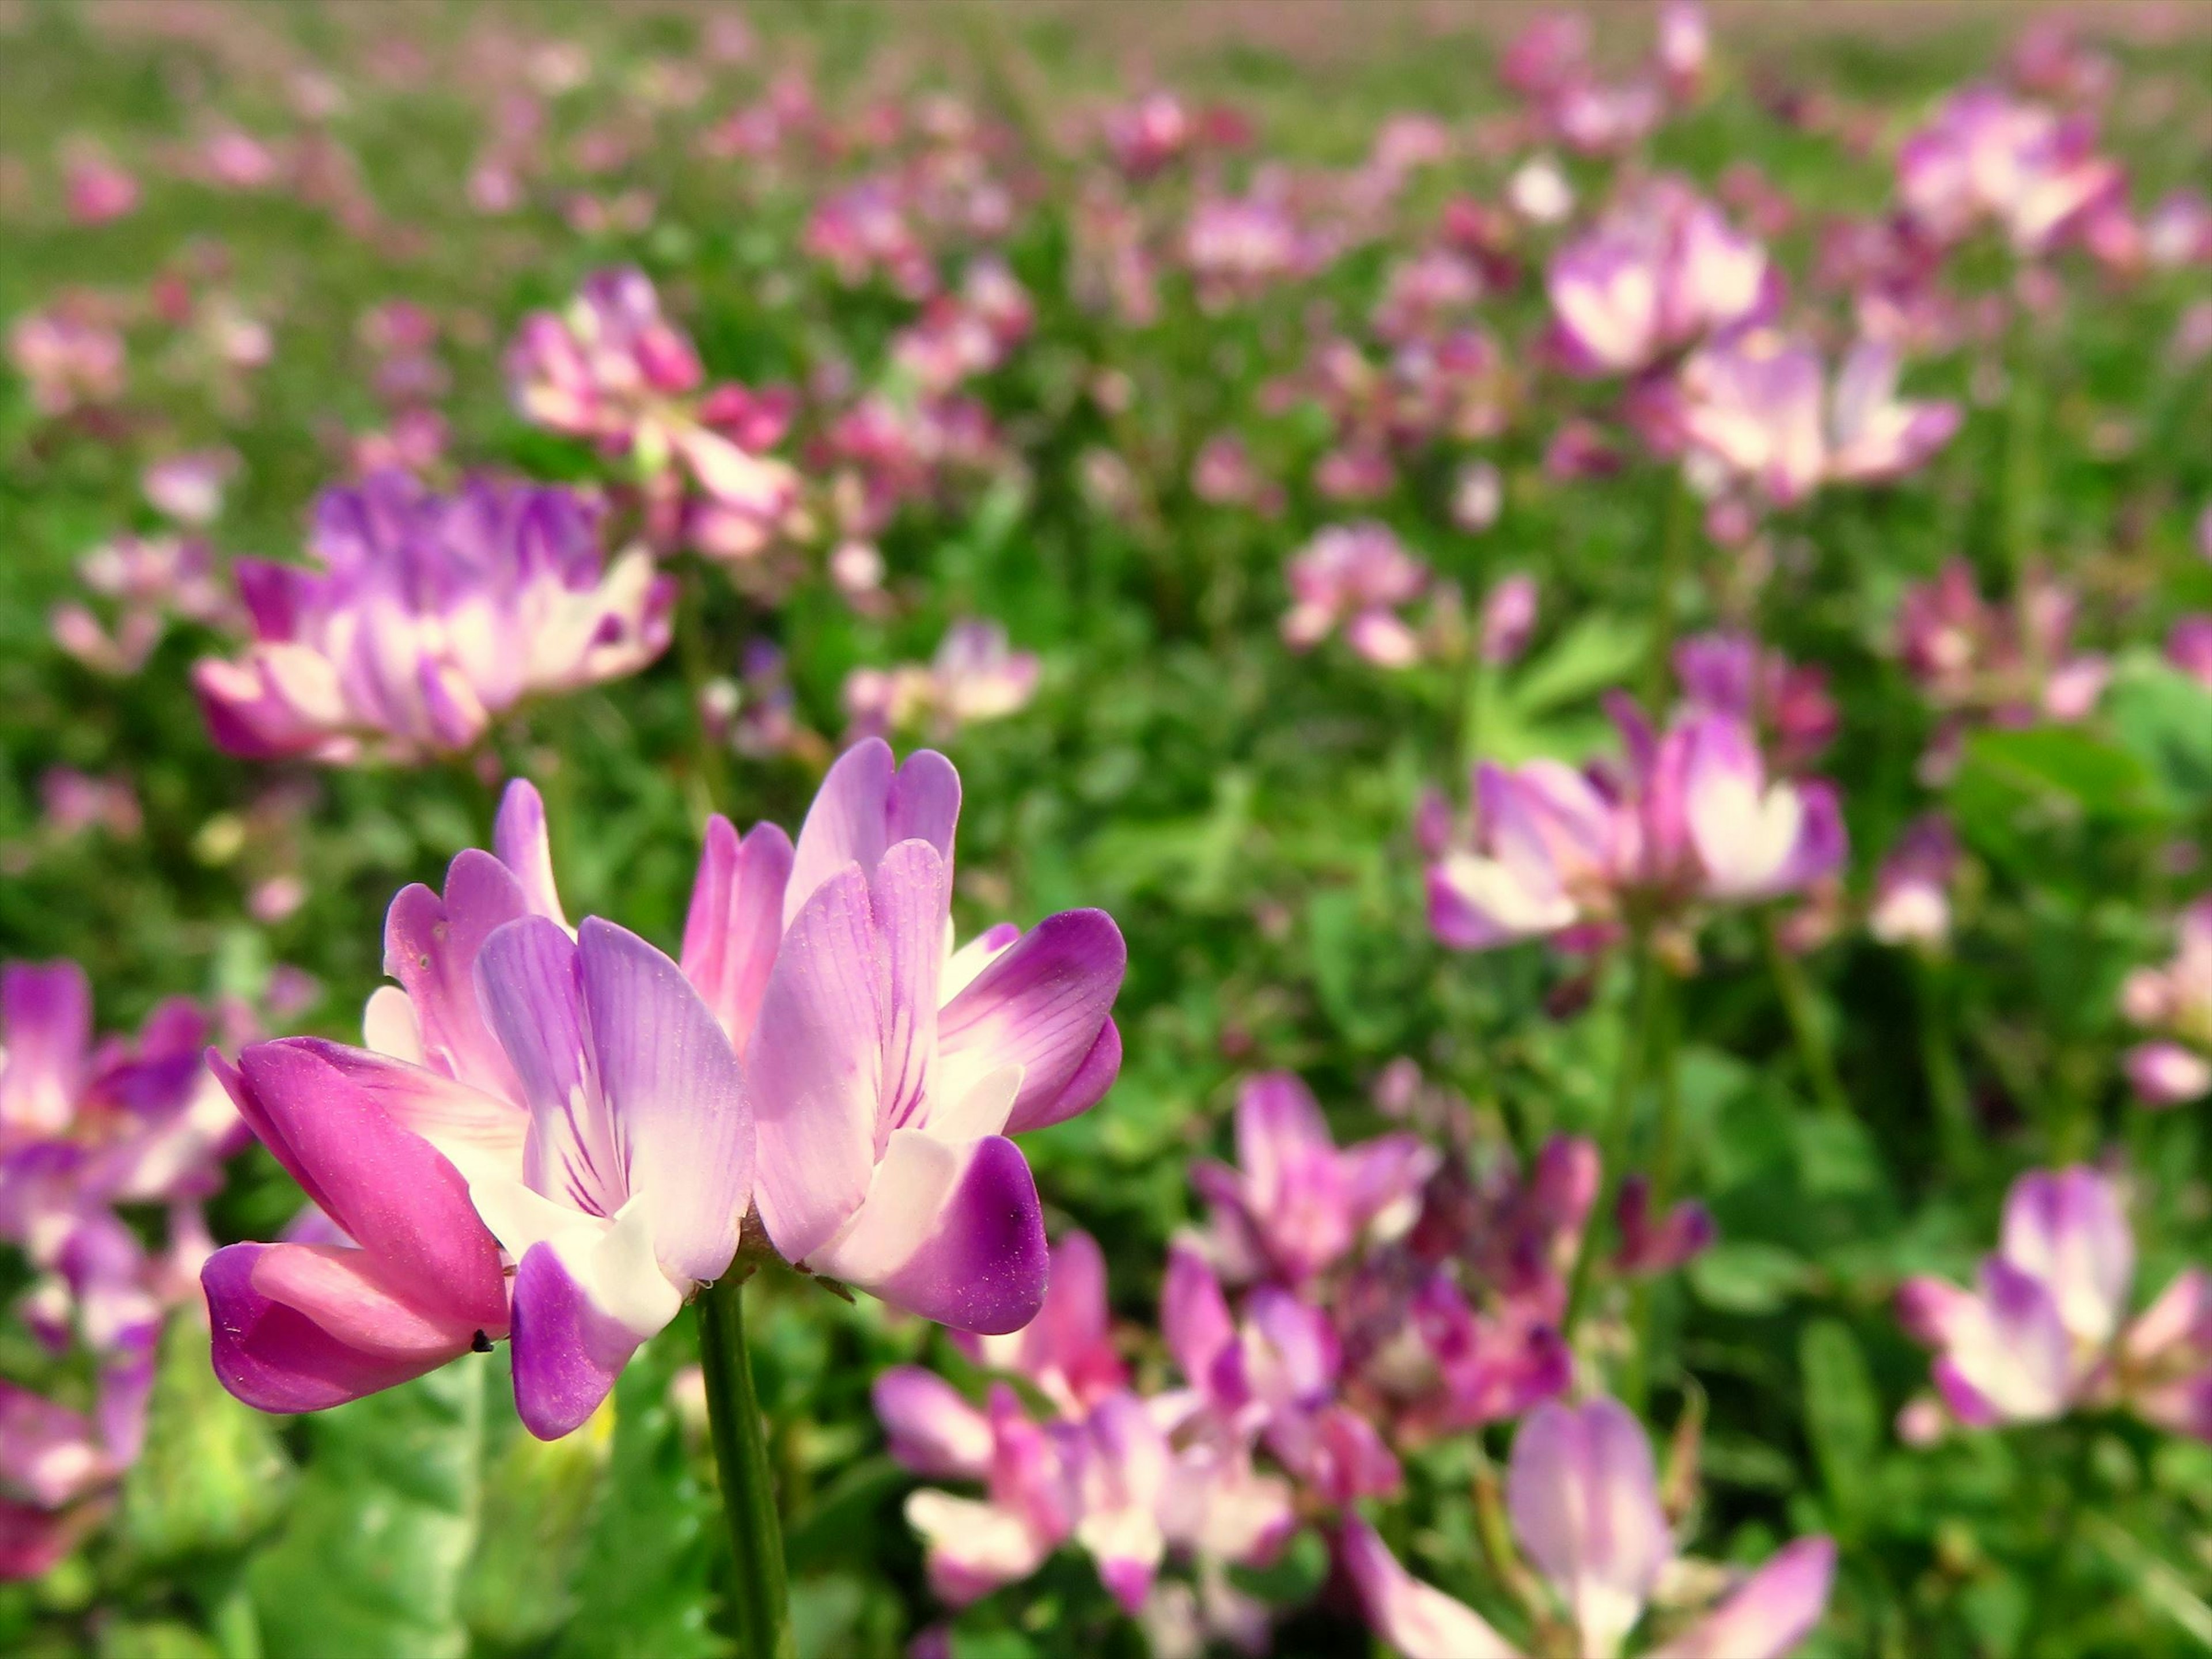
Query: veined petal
{"x": 953, "y": 1233}
{"x": 1042, "y": 1005}
{"x": 45, "y": 1022}
{"x": 1584, "y": 1501}
{"x": 582, "y": 1305}
{"x": 867, "y": 804}
{"x": 1770, "y": 1614}
{"x": 816, "y": 1069}
{"x": 911, "y": 896}
{"x": 736, "y": 921}
{"x": 2065, "y": 1227}
{"x": 527, "y": 979}
{"x": 1419, "y": 1620}
{"x": 517, "y": 837}
{"x": 674, "y": 1096}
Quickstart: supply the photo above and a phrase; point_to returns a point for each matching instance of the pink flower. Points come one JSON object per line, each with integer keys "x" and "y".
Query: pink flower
{"x": 189, "y": 488}
{"x": 1357, "y": 577}
{"x": 1911, "y": 890}
{"x": 1509, "y": 617}
{"x": 1295, "y": 1204}
{"x": 1729, "y": 674}
{"x": 975, "y": 675}
{"x": 887, "y": 1073}
{"x": 98, "y": 190}
{"x": 2045, "y": 1330}
{"x": 2189, "y": 648}
{"x": 2009, "y": 663}
{"x": 1583, "y": 1498}
{"x": 2174, "y": 1002}
{"x": 1659, "y": 272}
{"x": 1067, "y": 1351}
{"x": 1985, "y": 156}
{"x": 70, "y": 357}
{"x": 427, "y": 618}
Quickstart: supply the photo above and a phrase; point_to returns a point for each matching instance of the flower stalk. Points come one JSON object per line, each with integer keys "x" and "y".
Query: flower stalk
{"x": 759, "y": 1594}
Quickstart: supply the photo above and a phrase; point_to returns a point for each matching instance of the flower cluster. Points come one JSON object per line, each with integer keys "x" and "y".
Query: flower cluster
{"x": 425, "y": 617}
{"x": 86, "y": 1129}
{"x": 554, "y": 1135}
{"x": 2045, "y": 1330}
{"x": 2174, "y": 1003}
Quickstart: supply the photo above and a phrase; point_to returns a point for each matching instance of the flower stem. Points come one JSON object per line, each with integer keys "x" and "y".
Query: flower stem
{"x": 1674, "y": 546}
{"x": 1946, "y": 1083}
{"x": 692, "y": 652}
{"x": 1797, "y": 1004}
{"x": 1613, "y": 1144}
{"x": 733, "y": 1415}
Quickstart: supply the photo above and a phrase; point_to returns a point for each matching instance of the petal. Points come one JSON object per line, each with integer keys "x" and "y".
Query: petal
{"x": 932, "y": 1428}
{"x": 528, "y": 981}
{"x": 675, "y": 1097}
{"x": 1194, "y": 1316}
{"x": 2066, "y": 1227}
{"x": 1420, "y": 1621}
{"x": 867, "y": 804}
{"x": 276, "y": 1358}
{"x": 1770, "y": 1614}
{"x": 388, "y": 1025}
{"x": 46, "y": 1024}
{"x": 953, "y": 1233}
{"x": 816, "y": 1069}
{"x": 478, "y": 1134}
{"x": 517, "y": 837}
{"x": 568, "y": 1352}
{"x": 1584, "y": 1501}
{"x": 973, "y": 1547}
{"x": 911, "y": 896}
{"x": 430, "y": 947}
{"x": 1042, "y": 1006}
{"x": 736, "y": 921}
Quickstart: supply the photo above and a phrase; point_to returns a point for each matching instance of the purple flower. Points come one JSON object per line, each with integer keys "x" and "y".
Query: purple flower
{"x": 1583, "y": 1498}
{"x": 70, "y": 357}
{"x": 427, "y": 617}
{"x": 1509, "y": 617}
{"x": 1985, "y": 156}
{"x": 2189, "y": 648}
{"x": 1658, "y": 273}
{"x": 1067, "y": 1351}
{"x": 188, "y": 487}
{"x": 1729, "y": 675}
{"x": 975, "y": 675}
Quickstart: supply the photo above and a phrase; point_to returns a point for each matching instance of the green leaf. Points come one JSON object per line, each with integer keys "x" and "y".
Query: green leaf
{"x": 1293, "y": 1578}
{"x": 212, "y": 1475}
{"x": 369, "y": 1561}
{"x": 2061, "y": 766}
{"x": 1843, "y": 1415}
{"x": 538, "y": 1496}
{"x": 1746, "y": 1277}
{"x": 643, "y": 1588}
{"x": 164, "y": 1640}
{"x": 2164, "y": 719}
{"x": 1598, "y": 652}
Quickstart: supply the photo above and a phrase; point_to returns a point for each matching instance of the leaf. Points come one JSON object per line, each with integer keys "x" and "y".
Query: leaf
{"x": 212, "y": 1475}
{"x": 1293, "y": 1578}
{"x": 1843, "y": 1415}
{"x": 644, "y": 1585}
{"x": 2164, "y": 719}
{"x": 2064, "y": 765}
{"x": 369, "y": 1561}
{"x": 1597, "y": 653}
{"x": 1746, "y": 1277}
{"x": 165, "y": 1640}
{"x": 538, "y": 1496}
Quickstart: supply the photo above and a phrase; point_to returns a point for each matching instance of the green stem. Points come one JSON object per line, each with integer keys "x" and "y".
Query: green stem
{"x": 1673, "y": 544}
{"x": 1797, "y": 1003}
{"x": 1659, "y": 1065}
{"x": 692, "y": 648}
{"x": 1612, "y": 1146}
{"x": 1946, "y": 1081}
{"x": 759, "y": 1596}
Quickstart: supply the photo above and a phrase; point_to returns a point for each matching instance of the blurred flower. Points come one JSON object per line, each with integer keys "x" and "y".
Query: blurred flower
{"x": 1357, "y": 577}
{"x": 1147, "y": 136}
{"x": 975, "y": 676}
{"x": 1912, "y": 889}
{"x": 98, "y": 190}
{"x": 1509, "y": 617}
{"x": 189, "y": 488}
{"x": 1477, "y": 496}
{"x": 70, "y": 357}
{"x": 2175, "y": 1003}
{"x": 76, "y": 801}
{"x": 2189, "y": 648}
{"x": 1985, "y": 156}
{"x": 2045, "y": 1330}
{"x": 152, "y": 580}
{"x": 1692, "y": 816}
{"x": 1788, "y": 704}
{"x": 1583, "y": 1497}
{"x": 1661, "y": 269}
{"x": 425, "y": 619}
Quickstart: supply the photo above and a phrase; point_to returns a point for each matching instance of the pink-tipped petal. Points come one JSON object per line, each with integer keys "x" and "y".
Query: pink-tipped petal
{"x": 527, "y": 981}
{"x": 952, "y": 1233}
{"x": 867, "y": 804}
{"x": 430, "y": 947}
{"x": 476, "y": 1132}
{"x": 1042, "y": 1005}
